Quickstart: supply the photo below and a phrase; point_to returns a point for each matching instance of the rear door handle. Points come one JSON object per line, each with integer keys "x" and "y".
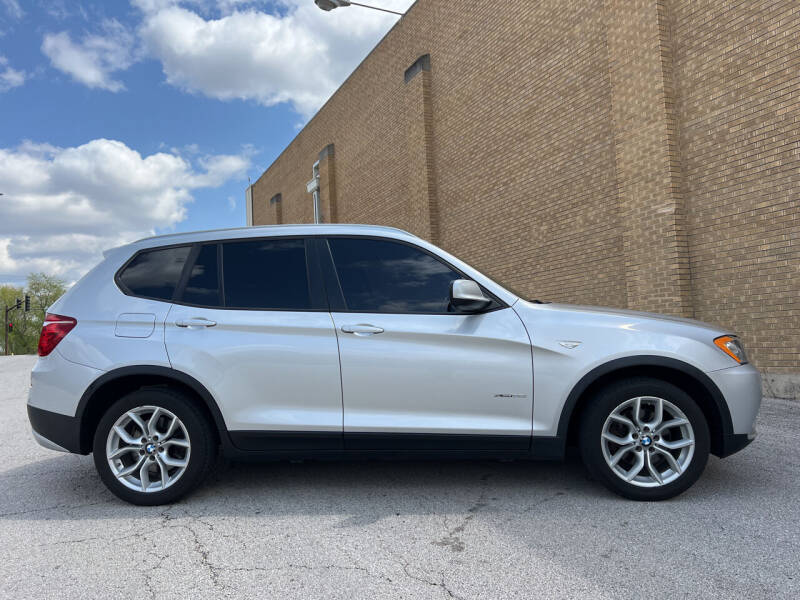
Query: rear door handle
{"x": 195, "y": 322}
{"x": 362, "y": 329}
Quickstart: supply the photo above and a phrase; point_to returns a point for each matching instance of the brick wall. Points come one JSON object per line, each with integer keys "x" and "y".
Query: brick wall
{"x": 737, "y": 73}
{"x": 631, "y": 153}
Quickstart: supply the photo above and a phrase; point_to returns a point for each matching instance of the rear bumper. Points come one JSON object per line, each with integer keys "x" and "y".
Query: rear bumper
{"x": 57, "y": 386}
{"x": 54, "y": 430}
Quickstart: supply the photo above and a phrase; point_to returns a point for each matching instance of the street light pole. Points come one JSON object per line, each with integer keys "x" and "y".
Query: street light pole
{"x": 328, "y": 5}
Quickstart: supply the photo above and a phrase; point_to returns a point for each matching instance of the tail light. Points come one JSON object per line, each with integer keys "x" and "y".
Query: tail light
{"x": 54, "y": 328}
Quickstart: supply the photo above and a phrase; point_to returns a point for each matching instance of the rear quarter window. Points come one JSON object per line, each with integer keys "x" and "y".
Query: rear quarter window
{"x": 154, "y": 273}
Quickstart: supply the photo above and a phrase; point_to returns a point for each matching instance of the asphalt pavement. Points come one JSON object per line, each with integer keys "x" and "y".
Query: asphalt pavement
{"x": 370, "y": 530}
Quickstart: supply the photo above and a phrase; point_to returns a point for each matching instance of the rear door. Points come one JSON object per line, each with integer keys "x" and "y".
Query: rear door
{"x": 251, "y": 323}
{"x": 416, "y": 375}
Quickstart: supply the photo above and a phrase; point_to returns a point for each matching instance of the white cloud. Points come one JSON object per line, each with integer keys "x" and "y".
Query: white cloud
{"x": 94, "y": 59}
{"x": 65, "y": 9}
{"x": 229, "y": 6}
{"x": 13, "y": 8}
{"x": 298, "y": 55}
{"x": 9, "y": 78}
{"x": 62, "y": 206}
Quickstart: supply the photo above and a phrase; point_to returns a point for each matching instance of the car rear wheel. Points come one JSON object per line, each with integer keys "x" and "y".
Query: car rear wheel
{"x": 645, "y": 439}
{"x": 153, "y": 446}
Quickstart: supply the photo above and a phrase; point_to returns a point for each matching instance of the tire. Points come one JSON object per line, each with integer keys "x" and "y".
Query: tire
{"x": 177, "y": 454}
{"x": 613, "y": 449}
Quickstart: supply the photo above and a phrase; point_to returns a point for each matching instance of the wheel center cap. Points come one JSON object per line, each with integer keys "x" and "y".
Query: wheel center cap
{"x": 150, "y": 448}
{"x": 647, "y": 440}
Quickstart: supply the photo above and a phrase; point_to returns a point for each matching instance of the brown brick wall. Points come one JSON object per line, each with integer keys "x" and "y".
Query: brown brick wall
{"x": 633, "y": 153}
{"x": 647, "y": 158}
{"x": 737, "y": 69}
{"x": 524, "y": 149}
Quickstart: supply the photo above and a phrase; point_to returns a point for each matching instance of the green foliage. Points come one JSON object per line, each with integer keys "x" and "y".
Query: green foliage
{"x": 43, "y": 290}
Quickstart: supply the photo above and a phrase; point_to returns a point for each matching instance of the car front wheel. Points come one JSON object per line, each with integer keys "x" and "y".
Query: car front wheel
{"x": 645, "y": 439}
{"x": 153, "y": 446}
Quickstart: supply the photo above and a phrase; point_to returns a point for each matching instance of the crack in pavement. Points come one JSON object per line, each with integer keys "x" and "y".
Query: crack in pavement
{"x": 203, "y": 552}
{"x": 453, "y": 538}
{"x": 64, "y": 507}
{"x": 440, "y": 584}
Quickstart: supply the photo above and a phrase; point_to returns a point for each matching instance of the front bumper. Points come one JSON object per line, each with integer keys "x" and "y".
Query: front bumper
{"x": 741, "y": 388}
{"x": 731, "y": 444}
{"x": 54, "y": 430}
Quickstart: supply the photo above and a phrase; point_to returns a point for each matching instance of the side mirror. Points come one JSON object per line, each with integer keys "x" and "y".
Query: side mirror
{"x": 466, "y": 296}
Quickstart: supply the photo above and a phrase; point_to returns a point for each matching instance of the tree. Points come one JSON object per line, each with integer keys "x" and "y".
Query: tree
{"x": 43, "y": 290}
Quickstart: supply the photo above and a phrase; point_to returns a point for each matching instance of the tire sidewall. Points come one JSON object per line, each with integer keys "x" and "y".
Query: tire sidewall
{"x": 609, "y": 399}
{"x": 197, "y": 427}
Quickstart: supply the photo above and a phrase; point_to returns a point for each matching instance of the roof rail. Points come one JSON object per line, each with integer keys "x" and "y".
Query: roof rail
{"x": 274, "y": 227}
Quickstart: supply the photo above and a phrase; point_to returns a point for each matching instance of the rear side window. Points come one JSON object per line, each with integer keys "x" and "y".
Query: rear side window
{"x": 202, "y": 286}
{"x": 154, "y": 273}
{"x": 386, "y": 276}
{"x": 266, "y": 275}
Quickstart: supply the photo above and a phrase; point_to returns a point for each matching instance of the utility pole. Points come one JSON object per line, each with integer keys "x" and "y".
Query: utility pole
{"x": 6, "y": 324}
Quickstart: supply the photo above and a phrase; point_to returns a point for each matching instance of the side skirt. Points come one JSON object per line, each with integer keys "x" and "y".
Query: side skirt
{"x": 296, "y": 445}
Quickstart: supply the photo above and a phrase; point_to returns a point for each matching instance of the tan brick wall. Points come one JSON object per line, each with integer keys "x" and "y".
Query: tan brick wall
{"x": 737, "y": 69}
{"x": 524, "y": 148}
{"x": 633, "y": 153}
{"x": 648, "y": 162}
{"x": 423, "y": 215}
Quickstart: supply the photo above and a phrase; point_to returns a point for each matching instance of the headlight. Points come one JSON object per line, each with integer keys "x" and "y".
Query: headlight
{"x": 731, "y": 346}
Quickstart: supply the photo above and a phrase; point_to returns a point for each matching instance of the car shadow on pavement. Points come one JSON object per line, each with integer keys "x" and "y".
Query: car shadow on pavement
{"x": 68, "y": 488}
{"x": 62, "y": 486}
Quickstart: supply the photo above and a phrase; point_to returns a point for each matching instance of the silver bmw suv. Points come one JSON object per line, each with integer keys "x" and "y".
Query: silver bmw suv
{"x": 309, "y": 341}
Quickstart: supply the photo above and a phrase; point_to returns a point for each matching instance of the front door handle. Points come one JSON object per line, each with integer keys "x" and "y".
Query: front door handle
{"x": 195, "y": 322}
{"x": 362, "y": 329}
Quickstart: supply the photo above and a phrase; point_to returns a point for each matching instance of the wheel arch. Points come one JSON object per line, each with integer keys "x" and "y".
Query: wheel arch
{"x": 118, "y": 382}
{"x": 689, "y": 378}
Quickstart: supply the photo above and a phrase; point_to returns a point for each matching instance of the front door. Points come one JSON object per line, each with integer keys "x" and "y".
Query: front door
{"x": 254, "y": 328}
{"x": 416, "y": 375}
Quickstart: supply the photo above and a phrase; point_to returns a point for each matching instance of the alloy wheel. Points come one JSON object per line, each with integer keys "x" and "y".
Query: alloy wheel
{"x": 647, "y": 441}
{"x": 148, "y": 449}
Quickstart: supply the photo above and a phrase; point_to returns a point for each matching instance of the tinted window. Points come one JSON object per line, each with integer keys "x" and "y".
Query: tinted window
{"x": 383, "y": 276}
{"x": 155, "y": 273}
{"x": 266, "y": 274}
{"x": 202, "y": 286}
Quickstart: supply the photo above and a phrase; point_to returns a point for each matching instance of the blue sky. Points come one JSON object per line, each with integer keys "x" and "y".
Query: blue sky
{"x": 122, "y": 119}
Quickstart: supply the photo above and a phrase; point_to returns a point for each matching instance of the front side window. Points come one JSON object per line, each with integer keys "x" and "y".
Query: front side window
{"x": 155, "y": 273}
{"x": 266, "y": 275}
{"x": 387, "y": 276}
